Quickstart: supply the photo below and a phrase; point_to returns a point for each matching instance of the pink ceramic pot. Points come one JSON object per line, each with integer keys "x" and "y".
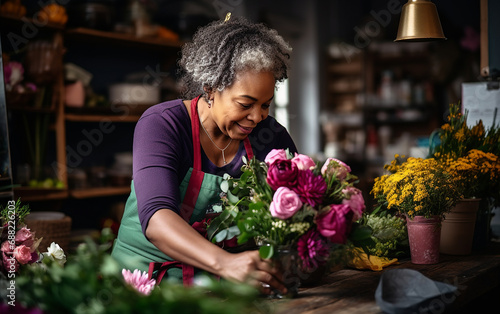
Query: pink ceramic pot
{"x": 424, "y": 237}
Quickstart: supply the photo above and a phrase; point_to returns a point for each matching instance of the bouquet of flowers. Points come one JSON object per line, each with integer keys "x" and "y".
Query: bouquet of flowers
{"x": 416, "y": 187}
{"x": 19, "y": 246}
{"x": 291, "y": 202}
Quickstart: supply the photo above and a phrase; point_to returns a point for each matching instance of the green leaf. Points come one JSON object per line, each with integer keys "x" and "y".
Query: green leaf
{"x": 224, "y": 186}
{"x": 233, "y": 199}
{"x": 360, "y": 233}
{"x": 232, "y": 232}
{"x": 218, "y": 223}
{"x": 266, "y": 251}
{"x": 244, "y": 237}
{"x": 244, "y": 176}
{"x": 221, "y": 236}
{"x": 217, "y": 208}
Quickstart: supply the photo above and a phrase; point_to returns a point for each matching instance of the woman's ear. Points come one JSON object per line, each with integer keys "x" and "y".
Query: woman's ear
{"x": 209, "y": 94}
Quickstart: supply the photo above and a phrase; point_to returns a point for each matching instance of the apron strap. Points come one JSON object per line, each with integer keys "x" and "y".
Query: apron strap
{"x": 196, "y": 179}
{"x": 248, "y": 148}
{"x": 161, "y": 269}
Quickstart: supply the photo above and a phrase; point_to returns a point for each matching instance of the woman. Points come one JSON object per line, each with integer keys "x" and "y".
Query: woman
{"x": 183, "y": 147}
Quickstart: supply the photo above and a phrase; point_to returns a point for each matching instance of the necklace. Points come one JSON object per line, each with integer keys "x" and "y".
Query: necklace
{"x": 211, "y": 140}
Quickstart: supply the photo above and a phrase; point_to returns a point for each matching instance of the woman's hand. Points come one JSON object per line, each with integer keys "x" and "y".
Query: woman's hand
{"x": 173, "y": 236}
{"x": 248, "y": 267}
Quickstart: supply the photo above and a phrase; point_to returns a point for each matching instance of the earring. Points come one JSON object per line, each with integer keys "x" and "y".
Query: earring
{"x": 209, "y": 103}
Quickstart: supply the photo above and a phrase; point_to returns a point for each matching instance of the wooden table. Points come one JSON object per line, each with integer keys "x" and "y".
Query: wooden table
{"x": 477, "y": 277}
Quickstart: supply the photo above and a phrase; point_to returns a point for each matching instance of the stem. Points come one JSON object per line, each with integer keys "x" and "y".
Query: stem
{"x": 28, "y": 138}
{"x": 37, "y": 147}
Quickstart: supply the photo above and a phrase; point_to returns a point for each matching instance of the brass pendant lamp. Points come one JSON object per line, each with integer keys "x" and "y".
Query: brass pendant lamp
{"x": 419, "y": 22}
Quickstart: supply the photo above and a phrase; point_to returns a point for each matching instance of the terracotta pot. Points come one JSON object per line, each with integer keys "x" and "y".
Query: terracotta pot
{"x": 424, "y": 235}
{"x": 457, "y": 229}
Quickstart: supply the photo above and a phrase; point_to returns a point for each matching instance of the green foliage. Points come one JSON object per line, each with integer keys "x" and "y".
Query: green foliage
{"x": 91, "y": 282}
{"x": 389, "y": 235}
{"x": 20, "y": 212}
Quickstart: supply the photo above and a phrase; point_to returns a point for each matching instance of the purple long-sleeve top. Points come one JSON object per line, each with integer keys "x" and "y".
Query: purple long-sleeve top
{"x": 163, "y": 154}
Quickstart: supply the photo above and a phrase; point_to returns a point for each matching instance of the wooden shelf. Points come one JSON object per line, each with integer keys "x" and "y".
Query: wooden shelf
{"x": 114, "y": 38}
{"x": 31, "y": 109}
{"x": 29, "y": 194}
{"x": 20, "y": 22}
{"x": 100, "y": 117}
{"x": 99, "y": 192}
{"x": 120, "y": 113}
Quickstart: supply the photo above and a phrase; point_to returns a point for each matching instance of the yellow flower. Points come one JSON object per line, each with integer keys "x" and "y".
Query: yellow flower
{"x": 418, "y": 186}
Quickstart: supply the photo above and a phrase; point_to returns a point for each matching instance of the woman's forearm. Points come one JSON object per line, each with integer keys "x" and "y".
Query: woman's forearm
{"x": 176, "y": 238}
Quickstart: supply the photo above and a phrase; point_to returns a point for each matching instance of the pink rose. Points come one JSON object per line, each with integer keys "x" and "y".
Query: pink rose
{"x": 22, "y": 235}
{"x": 23, "y": 254}
{"x": 303, "y": 162}
{"x": 285, "y": 203}
{"x": 354, "y": 199}
{"x": 334, "y": 167}
{"x": 275, "y": 154}
{"x": 282, "y": 172}
{"x": 336, "y": 223}
{"x": 9, "y": 263}
{"x": 6, "y": 247}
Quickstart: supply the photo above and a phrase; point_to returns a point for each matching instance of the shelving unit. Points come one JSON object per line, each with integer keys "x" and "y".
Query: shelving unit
{"x": 382, "y": 90}
{"x": 61, "y": 115}
{"x": 343, "y": 118}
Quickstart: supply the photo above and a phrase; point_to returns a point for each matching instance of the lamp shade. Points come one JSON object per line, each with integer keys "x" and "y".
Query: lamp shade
{"x": 419, "y": 22}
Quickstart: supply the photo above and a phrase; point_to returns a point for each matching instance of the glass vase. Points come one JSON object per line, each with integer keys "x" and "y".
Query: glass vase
{"x": 286, "y": 259}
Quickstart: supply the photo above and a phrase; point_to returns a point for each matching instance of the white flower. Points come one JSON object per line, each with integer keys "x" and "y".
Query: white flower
{"x": 56, "y": 253}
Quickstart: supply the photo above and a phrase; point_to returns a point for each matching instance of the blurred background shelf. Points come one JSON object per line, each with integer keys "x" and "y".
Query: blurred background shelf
{"x": 99, "y": 192}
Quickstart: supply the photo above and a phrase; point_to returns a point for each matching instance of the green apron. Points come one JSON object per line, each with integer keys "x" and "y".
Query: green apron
{"x": 198, "y": 191}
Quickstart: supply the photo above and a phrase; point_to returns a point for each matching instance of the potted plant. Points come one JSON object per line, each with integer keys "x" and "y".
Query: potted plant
{"x": 423, "y": 191}
{"x": 471, "y": 154}
{"x": 474, "y": 174}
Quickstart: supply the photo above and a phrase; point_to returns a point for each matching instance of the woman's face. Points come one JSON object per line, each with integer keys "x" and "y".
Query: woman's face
{"x": 240, "y": 107}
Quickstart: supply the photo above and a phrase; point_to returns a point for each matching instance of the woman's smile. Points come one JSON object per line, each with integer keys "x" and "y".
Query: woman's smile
{"x": 246, "y": 130}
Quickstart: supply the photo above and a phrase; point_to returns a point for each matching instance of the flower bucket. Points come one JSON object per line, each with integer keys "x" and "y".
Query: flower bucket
{"x": 457, "y": 228}
{"x": 424, "y": 236}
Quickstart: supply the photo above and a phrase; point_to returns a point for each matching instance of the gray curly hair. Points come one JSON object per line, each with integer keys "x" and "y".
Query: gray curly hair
{"x": 220, "y": 50}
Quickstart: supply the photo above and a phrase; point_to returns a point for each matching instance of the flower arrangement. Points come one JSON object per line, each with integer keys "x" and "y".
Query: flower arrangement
{"x": 19, "y": 246}
{"x": 457, "y": 138}
{"x": 290, "y": 201}
{"x": 471, "y": 154}
{"x": 416, "y": 187}
{"x": 477, "y": 174}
